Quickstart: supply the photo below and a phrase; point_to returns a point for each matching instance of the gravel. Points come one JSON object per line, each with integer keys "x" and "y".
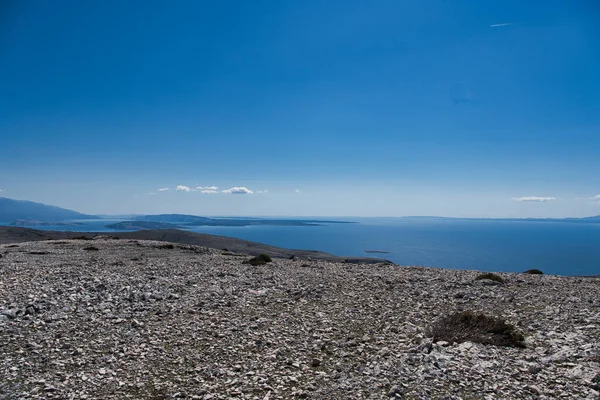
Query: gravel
{"x": 137, "y": 319}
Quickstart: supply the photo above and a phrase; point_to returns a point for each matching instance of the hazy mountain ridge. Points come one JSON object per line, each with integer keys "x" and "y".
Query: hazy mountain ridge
{"x": 193, "y": 220}
{"x": 12, "y": 210}
{"x": 29, "y": 213}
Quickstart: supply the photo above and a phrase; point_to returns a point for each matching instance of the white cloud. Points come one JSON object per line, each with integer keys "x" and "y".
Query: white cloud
{"x": 297, "y": 191}
{"x": 203, "y": 188}
{"x": 238, "y": 190}
{"x": 502, "y": 24}
{"x": 535, "y": 199}
{"x": 1, "y": 190}
{"x": 208, "y": 191}
{"x": 163, "y": 189}
{"x": 182, "y": 188}
{"x": 262, "y": 191}
{"x": 596, "y": 199}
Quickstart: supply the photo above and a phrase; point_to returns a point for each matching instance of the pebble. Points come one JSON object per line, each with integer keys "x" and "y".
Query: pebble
{"x": 136, "y": 318}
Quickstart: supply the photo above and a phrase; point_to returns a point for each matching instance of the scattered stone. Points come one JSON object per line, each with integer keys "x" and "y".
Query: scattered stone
{"x": 136, "y": 321}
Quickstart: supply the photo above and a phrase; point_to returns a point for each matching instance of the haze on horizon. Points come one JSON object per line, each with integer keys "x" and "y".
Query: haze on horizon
{"x": 340, "y": 108}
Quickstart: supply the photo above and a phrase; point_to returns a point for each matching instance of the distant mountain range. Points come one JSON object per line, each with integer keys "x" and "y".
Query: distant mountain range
{"x": 28, "y": 213}
{"x": 12, "y": 210}
{"x": 183, "y": 220}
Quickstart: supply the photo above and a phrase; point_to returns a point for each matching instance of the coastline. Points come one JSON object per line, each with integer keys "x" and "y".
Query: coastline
{"x": 10, "y": 234}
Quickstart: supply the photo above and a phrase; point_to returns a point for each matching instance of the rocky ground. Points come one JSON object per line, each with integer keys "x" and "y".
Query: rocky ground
{"x": 119, "y": 319}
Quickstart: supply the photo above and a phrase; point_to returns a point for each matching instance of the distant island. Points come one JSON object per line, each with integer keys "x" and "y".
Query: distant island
{"x": 24, "y": 222}
{"x": 139, "y": 225}
{"x": 183, "y": 220}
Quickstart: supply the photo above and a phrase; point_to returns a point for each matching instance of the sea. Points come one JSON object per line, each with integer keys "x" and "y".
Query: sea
{"x": 558, "y": 248}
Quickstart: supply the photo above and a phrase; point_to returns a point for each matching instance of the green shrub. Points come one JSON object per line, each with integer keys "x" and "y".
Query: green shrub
{"x": 533, "y": 272}
{"x": 468, "y": 326}
{"x": 261, "y": 259}
{"x": 490, "y": 276}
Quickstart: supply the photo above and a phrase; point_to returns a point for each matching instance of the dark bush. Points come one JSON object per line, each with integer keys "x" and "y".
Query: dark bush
{"x": 166, "y": 246}
{"x": 265, "y": 257}
{"x": 533, "y": 272}
{"x": 468, "y": 326}
{"x": 82, "y": 238}
{"x": 490, "y": 276}
{"x": 261, "y": 259}
{"x": 91, "y": 248}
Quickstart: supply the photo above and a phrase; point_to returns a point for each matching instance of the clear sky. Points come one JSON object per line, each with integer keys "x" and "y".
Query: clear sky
{"x": 338, "y": 107}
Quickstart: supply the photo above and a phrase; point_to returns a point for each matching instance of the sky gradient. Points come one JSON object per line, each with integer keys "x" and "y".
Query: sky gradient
{"x": 337, "y": 108}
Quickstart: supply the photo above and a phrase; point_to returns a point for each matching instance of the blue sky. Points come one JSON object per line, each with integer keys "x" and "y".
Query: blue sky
{"x": 366, "y": 108}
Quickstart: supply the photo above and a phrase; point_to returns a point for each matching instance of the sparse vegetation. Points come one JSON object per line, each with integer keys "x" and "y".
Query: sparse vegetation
{"x": 166, "y": 246}
{"x": 91, "y": 248}
{"x": 261, "y": 259}
{"x": 490, "y": 276}
{"x": 469, "y": 326}
{"x": 82, "y": 238}
{"x": 534, "y": 272}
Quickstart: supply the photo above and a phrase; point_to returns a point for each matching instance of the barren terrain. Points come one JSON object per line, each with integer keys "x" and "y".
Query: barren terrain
{"x": 118, "y": 319}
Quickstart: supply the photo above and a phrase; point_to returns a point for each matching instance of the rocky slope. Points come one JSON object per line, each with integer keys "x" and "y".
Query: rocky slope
{"x": 9, "y": 234}
{"x": 118, "y": 319}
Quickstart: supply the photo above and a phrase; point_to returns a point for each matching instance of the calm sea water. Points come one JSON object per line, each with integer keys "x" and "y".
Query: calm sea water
{"x": 554, "y": 247}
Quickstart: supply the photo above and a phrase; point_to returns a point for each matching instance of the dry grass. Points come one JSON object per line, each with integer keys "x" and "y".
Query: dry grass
{"x": 533, "y": 272}
{"x": 468, "y": 326}
{"x": 490, "y": 276}
{"x": 261, "y": 259}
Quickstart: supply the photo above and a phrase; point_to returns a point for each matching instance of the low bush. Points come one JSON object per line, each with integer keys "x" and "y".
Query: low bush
{"x": 82, "y": 238}
{"x": 91, "y": 248}
{"x": 468, "y": 326}
{"x": 533, "y": 272}
{"x": 261, "y": 259}
{"x": 490, "y": 276}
